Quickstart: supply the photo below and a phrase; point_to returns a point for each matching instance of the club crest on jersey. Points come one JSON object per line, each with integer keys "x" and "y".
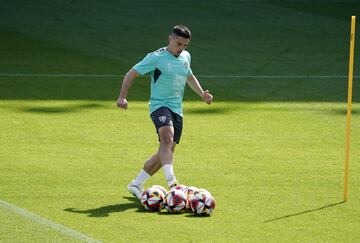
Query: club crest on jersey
{"x": 162, "y": 119}
{"x": 186, "y": 64}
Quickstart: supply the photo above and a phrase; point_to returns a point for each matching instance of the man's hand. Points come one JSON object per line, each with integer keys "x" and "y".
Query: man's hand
{"x": 122, "y": 103}
{"x": 207, "y": 97}
{"x": 126, "y": 84}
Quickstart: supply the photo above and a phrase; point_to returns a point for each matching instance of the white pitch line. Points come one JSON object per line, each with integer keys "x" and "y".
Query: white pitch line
{"x": 83, "y": 75}
{"x": 62, "y": 229}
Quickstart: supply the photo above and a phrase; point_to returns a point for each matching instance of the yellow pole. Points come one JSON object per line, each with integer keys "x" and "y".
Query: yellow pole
{"x": 348, "y": 116}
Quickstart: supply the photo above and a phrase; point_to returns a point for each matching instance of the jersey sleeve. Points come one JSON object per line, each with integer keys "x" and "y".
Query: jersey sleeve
{"x": 189, "y": 71}
{"x": 147, "y": 65}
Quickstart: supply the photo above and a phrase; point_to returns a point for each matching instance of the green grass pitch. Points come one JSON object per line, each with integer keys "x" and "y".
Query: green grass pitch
{"x": 270, "y": 148}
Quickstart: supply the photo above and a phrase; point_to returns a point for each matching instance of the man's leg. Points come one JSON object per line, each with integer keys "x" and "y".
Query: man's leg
{"x": 151, "y": 166}
{"x": 164, "y": 121}
{"x": 166, "y": 153}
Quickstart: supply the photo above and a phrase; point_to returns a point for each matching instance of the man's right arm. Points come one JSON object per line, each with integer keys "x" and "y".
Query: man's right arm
{"x": 126, "y": 84}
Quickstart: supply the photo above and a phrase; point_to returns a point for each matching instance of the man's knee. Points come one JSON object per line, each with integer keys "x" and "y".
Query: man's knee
{"x": 166, "y": 136}
{"x": 167, "y": 139}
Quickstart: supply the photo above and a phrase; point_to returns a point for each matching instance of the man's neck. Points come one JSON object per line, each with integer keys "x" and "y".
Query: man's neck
{"x": 168, "y": 49}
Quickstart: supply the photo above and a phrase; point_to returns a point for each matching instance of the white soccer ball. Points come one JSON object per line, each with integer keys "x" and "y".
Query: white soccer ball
{"x": 189, "y": 193}
{"x": 175, "y": 201}
{"x": 161, "y": 188}
{"x": 153, "y": 199}
{"x": 202, "y": 202}
{"x": 178, "y": 187}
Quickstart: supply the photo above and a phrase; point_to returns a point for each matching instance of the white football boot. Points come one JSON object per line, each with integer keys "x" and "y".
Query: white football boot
{"x": 136, "y": 190}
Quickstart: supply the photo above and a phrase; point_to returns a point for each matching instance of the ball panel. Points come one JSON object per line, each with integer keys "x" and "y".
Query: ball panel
{"x": 175, "y": 201}
{"x": 161, "y": 188}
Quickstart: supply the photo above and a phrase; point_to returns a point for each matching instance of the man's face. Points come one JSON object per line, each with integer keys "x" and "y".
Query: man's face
{"x": 177, "y": 44}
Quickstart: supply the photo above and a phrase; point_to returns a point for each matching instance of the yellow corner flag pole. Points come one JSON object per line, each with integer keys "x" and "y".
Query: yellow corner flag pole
{"x": 348, "y": 117}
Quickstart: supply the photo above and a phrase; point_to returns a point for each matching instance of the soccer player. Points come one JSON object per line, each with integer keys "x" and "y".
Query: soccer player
{"x": 169, "y": 68}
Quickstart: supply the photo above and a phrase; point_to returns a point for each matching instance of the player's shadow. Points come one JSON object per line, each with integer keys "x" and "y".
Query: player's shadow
{"x": 105, "y": 211}
{"x": 304, "y": 212}
{"x": 58, "y": 109}
{"x": 207, "y": 110}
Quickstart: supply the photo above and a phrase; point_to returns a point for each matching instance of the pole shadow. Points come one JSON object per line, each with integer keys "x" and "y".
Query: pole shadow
{"x": 343, "y": 111}
{"x": 304, "y": 212}
{"x": 105, "y": 211}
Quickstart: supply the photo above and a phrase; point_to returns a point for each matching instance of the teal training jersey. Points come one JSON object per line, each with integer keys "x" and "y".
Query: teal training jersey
{"x": 168, "y": 78}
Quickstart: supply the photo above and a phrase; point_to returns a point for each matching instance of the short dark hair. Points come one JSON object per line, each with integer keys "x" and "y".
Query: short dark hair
{"x": 181, "y": 30}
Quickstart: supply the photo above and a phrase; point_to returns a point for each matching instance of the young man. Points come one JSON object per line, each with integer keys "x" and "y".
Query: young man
{"x": 169, "y": 68}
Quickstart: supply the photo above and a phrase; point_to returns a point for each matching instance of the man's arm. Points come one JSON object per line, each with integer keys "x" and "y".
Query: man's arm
{"x": 195, "y": 85}
{"x": 126, "y": 84}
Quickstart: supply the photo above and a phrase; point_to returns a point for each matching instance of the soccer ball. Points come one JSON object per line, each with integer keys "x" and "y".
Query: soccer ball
{"x": 153, "y": 199}
{"x": 202, "y": 202}
{"x": 161, "y": 188}
{"x": 189, "y": 193}
{"x": 175, "y": 201}
{"x": 179, "y": 187}
{"x": 190, "y": 190}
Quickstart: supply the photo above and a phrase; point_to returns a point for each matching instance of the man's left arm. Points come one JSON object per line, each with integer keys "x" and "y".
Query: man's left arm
{"x": 195, "y": 85}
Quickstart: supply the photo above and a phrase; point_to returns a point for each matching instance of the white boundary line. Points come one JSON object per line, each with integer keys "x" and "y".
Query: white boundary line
{"x": 83, "y": 75}
{"x": 62, "y": 229}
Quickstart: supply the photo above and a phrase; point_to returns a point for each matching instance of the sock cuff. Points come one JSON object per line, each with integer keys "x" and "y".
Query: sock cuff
{"x": 141, "y": 178}
{"x": 169, "y": 174}
{"x": 145, "y": 173}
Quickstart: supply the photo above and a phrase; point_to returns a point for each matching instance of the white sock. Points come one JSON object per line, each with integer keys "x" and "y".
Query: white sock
{"x": 141, "y": 178}
{"x": 169, "y": 174}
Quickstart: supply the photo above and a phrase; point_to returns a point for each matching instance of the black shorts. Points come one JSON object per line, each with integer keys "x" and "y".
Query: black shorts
{"x": 165, "y": 117}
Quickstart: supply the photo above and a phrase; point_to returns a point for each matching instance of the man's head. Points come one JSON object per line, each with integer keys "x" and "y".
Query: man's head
{"x": 179, "y": 39}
